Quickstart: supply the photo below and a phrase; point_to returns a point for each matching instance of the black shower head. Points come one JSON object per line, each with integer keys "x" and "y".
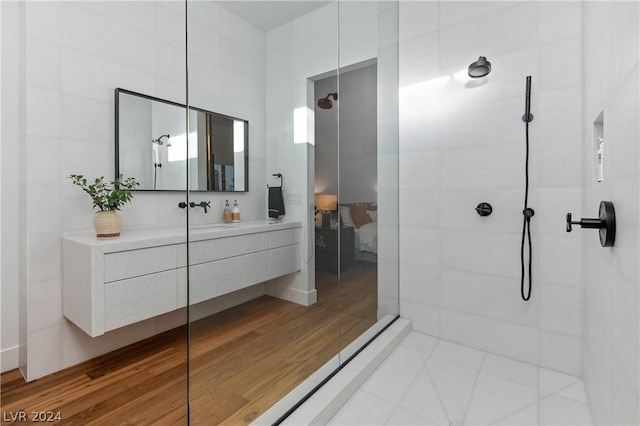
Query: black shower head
{"x": 326, "y": 103}
{"x": 159, "y": 141}
{"x": 479, "y": 68}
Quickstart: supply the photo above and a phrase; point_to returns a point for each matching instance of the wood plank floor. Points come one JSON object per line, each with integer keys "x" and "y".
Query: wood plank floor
{"x": 243, "y": 360}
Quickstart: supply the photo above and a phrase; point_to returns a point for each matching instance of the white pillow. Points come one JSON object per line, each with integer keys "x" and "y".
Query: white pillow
{"x": 373, "y": 215}
{"x": 345, "y": 214}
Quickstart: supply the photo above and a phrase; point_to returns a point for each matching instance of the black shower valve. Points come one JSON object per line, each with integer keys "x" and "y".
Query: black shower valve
{"x": 605, "y": 223}
{"x": 584, "y": 223}
{"x": 484, "y": 209}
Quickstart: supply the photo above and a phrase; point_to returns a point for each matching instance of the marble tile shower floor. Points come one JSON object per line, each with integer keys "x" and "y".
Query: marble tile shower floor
{"x": 427, "y": 381}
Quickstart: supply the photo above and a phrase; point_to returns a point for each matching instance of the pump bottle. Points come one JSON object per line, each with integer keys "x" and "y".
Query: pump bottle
{"x": 226, "y": 213}
{"x": 235, "y": 212}
{"x": 600, "y": 161}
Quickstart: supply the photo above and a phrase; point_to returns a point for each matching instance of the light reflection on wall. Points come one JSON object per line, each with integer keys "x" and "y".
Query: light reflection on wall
{"x": 300, "y": 129}
{"x": 435, "y": 97}
{"x": 238, "y": 136}
{"x": 178, "y": 149}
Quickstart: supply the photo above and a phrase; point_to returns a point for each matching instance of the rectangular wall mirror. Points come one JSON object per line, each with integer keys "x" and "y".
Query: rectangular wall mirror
{"x": 151, "y": 145}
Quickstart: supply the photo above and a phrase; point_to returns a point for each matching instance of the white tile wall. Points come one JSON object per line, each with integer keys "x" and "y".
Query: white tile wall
{"x": 462, "y": 142}
{"x": 484, "y": 295}
{"x": 561, "y": 309}
{"x": 611, "y": 47}
{"x": 424, "y": 318}
{"x": 10, "y": 331}
{"x": 499, "y": 337}
{"x": 561, "y": 352}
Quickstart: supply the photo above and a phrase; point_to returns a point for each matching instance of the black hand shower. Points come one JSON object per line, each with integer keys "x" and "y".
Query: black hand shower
{"x": 527, "y": 117}
{"x": 527, "y": 212}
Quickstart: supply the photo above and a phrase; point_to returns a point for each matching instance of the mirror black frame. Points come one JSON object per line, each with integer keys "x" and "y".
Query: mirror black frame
{"x": 153, "y": 98}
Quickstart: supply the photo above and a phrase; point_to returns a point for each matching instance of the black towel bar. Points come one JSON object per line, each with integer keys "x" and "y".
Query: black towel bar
{"x": 280, "y": 176}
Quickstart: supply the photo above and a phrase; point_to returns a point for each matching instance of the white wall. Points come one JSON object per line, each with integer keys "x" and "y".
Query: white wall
{"x": 463, "y": 142}
{"x": 76, "y": 53}
{"x": 611, "y": 46}
{"x": 297, "y": 51}
{"x": 9, "y": 288}
{"x": 2, "y": 343}
{"x": 1, "y": 307}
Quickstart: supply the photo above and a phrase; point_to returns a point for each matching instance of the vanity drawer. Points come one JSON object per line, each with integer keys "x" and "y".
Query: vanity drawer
{"x": 213, "y": 279}
{"x": 284, "y": 237}
{"x": 137, "y": 299}
{"x": 222, "y": 248}
{"x": 134, "y": 263}
{"x": 284, "y": 260}
{"x": 182, "y": 287}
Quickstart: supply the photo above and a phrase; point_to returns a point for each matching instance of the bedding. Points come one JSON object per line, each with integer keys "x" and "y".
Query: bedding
{"x": 366, "y": 238}
{"x": 345, "y": 214}
{"x": 363, "y": 217}
{"x": 359, "y": 215}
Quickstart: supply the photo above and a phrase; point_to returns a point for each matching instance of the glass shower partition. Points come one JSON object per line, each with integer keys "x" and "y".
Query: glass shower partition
{"x": 274, "y": 305}
{"x": 367, "y": 164}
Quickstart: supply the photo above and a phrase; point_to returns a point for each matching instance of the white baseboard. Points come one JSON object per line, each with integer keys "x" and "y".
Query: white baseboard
{"x": 8, "y": 359}
{"x": 301, "y": 297}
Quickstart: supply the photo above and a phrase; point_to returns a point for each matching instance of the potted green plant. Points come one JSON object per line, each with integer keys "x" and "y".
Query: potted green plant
{"x": 108, "y": 197}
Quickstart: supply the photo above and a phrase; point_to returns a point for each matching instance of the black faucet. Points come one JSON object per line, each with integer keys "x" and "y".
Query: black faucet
{"x": 203, "y": 204}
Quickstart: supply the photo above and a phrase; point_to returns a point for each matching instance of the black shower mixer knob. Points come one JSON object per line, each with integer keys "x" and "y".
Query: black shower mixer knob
{"x": 605, "y": 223}
{"x": 484, "y": 209}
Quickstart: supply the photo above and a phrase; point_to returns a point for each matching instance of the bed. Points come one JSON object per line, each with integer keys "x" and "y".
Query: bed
{"x": 363, "y": 217}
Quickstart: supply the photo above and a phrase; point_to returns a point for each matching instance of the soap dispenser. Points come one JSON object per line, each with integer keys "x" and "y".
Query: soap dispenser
{"x": 226, "y": 214}
{"x": 235, "y": 213}
{"x": 600, "y": 161}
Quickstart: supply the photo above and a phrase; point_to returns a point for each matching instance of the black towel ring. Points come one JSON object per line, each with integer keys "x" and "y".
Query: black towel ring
{"x": 281, "y": 179}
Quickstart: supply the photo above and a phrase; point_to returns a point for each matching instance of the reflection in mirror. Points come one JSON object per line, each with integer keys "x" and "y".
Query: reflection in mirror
{"x": 151, "y": 145}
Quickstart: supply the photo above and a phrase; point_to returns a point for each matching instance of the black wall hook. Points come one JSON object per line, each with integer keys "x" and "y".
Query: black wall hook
{"x": 605, "y": 223}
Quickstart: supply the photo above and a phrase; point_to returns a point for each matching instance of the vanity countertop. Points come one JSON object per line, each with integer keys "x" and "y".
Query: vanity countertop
{"x": 133, "y": 239}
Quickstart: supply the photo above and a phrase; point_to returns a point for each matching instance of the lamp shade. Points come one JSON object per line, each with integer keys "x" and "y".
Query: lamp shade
{"x": 326, "y": 202}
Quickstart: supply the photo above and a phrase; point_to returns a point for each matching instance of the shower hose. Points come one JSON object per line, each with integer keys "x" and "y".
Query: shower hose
{"x": 527, "y": 213}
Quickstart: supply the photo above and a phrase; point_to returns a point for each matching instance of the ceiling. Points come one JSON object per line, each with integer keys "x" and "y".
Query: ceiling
{"x": 268, "y": 15}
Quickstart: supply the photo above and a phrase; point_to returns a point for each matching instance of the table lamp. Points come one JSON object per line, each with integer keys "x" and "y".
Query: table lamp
{"x": 326, "y": 203}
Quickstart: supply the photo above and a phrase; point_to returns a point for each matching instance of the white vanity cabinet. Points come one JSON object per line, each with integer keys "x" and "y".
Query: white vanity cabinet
{"x": 111, "y": 283}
